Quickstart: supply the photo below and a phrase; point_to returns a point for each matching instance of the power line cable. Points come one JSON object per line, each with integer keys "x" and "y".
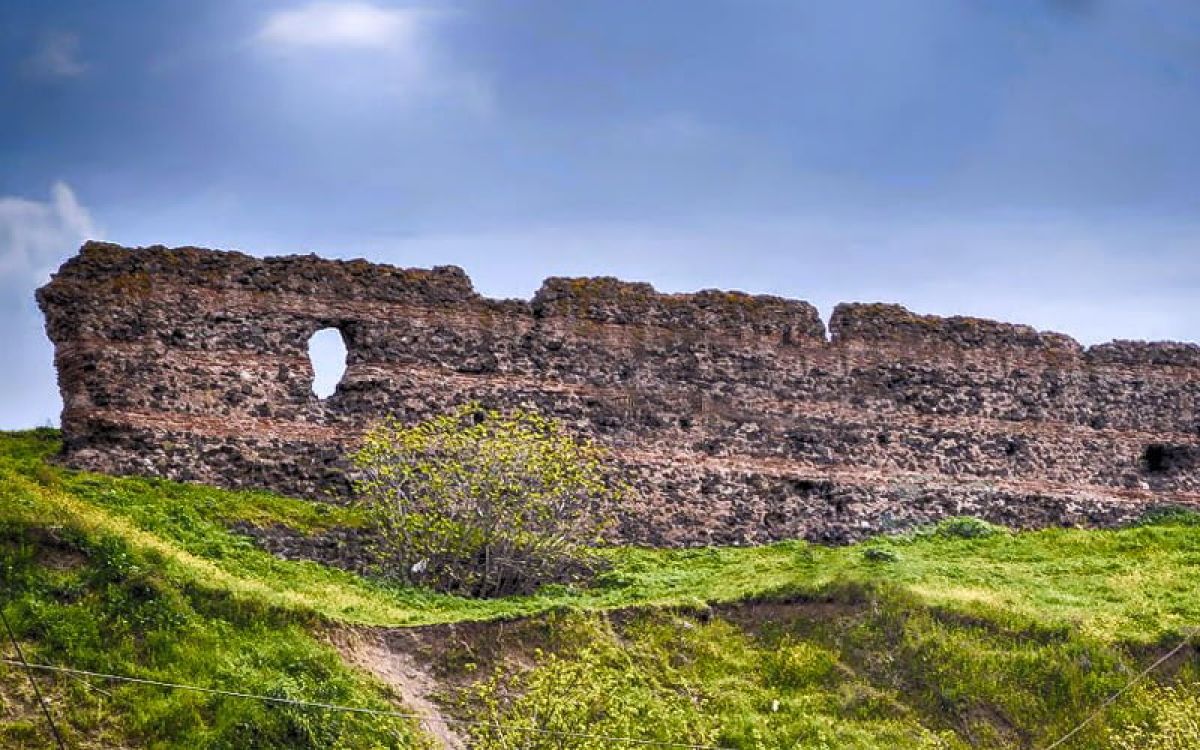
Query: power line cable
{"x": 358, "y": 709}
{"x": 1112, "y": 698}
{"x": 32, "y": 680}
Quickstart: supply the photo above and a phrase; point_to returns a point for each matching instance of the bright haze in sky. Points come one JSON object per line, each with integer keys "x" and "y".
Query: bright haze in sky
{"x": 1027, "y": 160}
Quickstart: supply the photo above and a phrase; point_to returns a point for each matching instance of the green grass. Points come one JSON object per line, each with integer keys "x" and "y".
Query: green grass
{"x": 1137, "y": 584}
{"x": 863, "y": 671}
{"x": 88, "y": 597}
{"x": 1020, "y": 633}
{"x": 677, "y": 678}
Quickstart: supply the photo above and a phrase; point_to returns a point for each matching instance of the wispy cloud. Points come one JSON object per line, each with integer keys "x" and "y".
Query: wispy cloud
{"x": 57, "y": 56}
{"x": 344, "y": 24}
{"x": 36, "y": 235}
{"x": 359, "y": 48}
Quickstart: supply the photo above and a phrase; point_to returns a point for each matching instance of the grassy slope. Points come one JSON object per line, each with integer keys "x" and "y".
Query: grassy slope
{"x": 219, "y": 611}
{"x": 857, "y": 672}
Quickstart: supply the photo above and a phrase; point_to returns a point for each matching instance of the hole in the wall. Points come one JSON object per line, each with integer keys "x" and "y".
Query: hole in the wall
{"x": 1165, "y": 458}
{"x": 1155, "y": 458}
{"x": 327, "y": 353}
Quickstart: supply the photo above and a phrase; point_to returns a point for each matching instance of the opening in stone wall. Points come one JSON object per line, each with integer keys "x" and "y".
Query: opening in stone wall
{"x": 327, "y": 353}
{"x": 1155, "y": 458}
{"x": 1162, "y": 458}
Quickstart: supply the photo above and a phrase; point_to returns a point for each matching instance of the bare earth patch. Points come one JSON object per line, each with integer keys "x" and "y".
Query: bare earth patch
{"x": 414, "y": 685}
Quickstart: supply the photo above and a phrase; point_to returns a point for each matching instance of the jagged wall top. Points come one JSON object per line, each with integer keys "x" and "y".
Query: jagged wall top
{"x": 103, "y": 266}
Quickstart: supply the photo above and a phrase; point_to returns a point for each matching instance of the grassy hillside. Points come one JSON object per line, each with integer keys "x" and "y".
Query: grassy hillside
{"x": 961, "y": 636}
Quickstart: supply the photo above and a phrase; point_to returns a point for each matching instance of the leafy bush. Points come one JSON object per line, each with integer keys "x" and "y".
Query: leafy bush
{"x": 484, "y": 503}
{"x": 966, "y": 527}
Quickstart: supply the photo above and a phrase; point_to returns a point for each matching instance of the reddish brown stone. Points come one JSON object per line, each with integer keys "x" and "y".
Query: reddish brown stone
{"x": 737, "y": 418}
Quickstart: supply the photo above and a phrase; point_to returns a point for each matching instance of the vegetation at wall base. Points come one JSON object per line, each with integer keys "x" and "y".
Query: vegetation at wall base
{"x": 484, "y": 503}
{"x": 965, "y": 635}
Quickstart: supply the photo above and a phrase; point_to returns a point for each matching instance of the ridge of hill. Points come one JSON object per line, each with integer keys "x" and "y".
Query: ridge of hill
{"x": 960, "y": 635}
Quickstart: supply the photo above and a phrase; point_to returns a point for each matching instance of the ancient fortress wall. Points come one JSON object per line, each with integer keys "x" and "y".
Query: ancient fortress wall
{"x": 740, "y": 419}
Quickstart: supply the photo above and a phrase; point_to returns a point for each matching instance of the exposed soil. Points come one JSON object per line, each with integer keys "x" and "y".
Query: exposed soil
{"x": 56, "y": 553}
{"x": 412, "y": 683}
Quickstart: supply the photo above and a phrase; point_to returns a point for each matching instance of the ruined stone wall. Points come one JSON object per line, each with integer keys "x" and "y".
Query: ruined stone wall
{"x": 739, "y": 418}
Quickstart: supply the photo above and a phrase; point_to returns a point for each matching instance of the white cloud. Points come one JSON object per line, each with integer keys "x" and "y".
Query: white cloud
{"x": 36, "y": 235}
{"x": 57, "y": 57}
{"x": 352, "y": 51}
{"x": 344, "y": 24}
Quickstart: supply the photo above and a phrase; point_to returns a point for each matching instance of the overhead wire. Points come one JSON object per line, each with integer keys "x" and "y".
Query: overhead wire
{"x": 359, "y": 709}
{"x": 1125, "y": 688}
{"x": 37, "y": 691}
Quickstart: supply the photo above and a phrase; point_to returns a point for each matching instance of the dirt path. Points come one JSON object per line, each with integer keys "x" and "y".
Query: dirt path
{"x": 400, "y": 672}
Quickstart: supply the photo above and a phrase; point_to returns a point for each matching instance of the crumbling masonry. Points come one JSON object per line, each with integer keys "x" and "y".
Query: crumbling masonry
{"x": 738, "y": 419}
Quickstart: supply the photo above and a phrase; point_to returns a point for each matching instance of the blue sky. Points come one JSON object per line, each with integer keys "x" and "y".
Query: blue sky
{"x": 1031, "y": 160}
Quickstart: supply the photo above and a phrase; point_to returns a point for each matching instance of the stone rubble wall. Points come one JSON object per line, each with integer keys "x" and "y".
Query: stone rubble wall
{"x": 739, "y": 417}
